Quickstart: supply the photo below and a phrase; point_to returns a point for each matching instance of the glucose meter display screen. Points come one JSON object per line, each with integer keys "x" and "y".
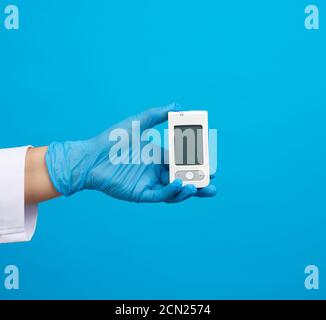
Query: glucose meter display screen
{"x": 188, "y": 145}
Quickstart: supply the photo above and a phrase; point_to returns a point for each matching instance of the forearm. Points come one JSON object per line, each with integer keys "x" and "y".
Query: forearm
{"x": 38, "y": 186}
{"x": 65, "y": 168}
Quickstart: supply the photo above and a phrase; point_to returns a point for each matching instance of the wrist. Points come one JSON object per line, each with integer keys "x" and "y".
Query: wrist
{"x": 67, "y": 164}
{"x": 38, "y": 186}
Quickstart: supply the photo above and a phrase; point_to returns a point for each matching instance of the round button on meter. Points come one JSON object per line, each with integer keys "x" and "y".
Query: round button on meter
{"x": 189, "y": 175}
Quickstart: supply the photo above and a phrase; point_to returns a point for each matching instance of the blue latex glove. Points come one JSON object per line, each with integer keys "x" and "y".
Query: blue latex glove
{"x": 85, "y": 165}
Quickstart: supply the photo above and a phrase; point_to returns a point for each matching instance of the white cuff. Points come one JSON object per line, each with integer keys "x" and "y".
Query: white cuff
{"x": 17, "y": 221}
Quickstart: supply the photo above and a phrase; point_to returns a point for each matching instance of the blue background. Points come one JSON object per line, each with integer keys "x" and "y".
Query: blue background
{"x": 77, "y": 67}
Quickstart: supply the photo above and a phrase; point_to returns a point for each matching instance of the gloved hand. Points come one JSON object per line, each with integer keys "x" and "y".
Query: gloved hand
{"x": 77, "y": 165}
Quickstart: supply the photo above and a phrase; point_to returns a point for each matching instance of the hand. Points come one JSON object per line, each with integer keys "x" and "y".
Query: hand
{"x": 79, "y": 165}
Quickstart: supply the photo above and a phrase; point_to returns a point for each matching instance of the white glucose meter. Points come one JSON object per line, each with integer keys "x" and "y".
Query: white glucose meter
{"x": 188, "y": 147}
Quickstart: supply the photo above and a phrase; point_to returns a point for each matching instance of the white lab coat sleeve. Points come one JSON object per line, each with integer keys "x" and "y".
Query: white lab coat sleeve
{"x": 17, "y": 221}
